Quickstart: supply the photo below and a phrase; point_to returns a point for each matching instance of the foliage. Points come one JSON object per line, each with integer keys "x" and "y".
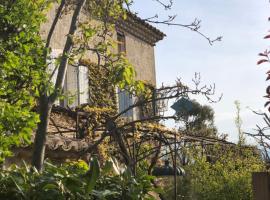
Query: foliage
{"x": 21, "y": 69}
{"x": 100, "y": 87}
{"x": 261, "y": 132}
{"x": 21, "y": 50}
{"x": 125, "y": 186}
{"x": 265, "y": 58}
{"x": 111, "y": 68}
{"x": 73, "y": 181}
{"x": 16, "y": 125}
{"x": 224, "y": 174}
{"x": 198, "y": 120}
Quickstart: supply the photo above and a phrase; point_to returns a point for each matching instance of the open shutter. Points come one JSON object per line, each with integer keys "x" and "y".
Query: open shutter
{"x": 125, "y": 100}
{"x": 76, "y": 86}
{"x": 72, "y": 86}
{"x": 83, "y": 85}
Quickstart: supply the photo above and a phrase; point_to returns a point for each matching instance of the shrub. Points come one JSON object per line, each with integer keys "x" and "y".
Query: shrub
{"x": 227, "y": 176}
{"x": 73, "y": 181}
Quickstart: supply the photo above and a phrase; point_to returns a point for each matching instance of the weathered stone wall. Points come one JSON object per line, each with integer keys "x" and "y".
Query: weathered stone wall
{"x": 57, "y": 45}
{"x": 141, "y": 55}
{"x": 61, "y": 30}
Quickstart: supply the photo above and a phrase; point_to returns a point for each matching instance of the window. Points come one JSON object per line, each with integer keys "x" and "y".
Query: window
{"x": 125, "y": 100}
{"x": 77, "y": 85}
{"x": 121, "y": 42}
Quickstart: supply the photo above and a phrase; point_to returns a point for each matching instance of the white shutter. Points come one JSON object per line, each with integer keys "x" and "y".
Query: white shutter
{"x": 51, "y": 67}
{"x": 83, "y": 85}
{"x": 76, "y": 86}
{"x": 55, "y": 53}
{"x": 72, "y": 86}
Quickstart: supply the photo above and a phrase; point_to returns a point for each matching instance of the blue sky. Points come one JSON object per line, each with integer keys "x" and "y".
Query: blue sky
{"x": 230, "y": 64}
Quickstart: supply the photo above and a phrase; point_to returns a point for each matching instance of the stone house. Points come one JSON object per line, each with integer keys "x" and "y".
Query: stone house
{"x": 136, "y": 38}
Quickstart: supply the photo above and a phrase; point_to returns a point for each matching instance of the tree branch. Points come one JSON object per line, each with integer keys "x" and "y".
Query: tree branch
{"x": 66, "y": 52}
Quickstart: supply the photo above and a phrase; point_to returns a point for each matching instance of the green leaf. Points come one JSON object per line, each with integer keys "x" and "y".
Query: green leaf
{"x": 108, "y": 167}
{"x": 50, "y": 186}
{"x": 92, "y": 175}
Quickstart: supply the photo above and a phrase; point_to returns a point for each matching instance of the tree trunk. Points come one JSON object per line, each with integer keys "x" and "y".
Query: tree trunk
{"x": 119, "y": 139}
{"x": 67, "y": 50}
{"x": 154, "y": 159}
{"x": 113, "y": 130}
{"x": 45, "y": 108}
{"x": 45, "y": 102}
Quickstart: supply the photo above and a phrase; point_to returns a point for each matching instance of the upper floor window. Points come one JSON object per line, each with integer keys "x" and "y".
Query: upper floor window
{"x": 76, "y": 85}
{"x": 121, "y": 42}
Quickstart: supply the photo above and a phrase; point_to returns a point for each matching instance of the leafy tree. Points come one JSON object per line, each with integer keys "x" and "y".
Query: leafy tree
{"x": 21, "y": 70}
{"x": 199, "y": 120}
{"x": 262, "y": 132}
{"x": 196, "y": 121}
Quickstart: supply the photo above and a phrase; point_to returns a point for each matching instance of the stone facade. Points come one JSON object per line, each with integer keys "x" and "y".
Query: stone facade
{"x": 140, "y": 39}
{"x": 141, "y": 55}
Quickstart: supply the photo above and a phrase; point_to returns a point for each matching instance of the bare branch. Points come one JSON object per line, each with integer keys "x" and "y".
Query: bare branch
{"x": 166, "y": 6}
{"x": 194, "y": 26}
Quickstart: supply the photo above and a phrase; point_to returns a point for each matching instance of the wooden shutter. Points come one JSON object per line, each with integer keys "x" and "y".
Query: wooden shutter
{"x": 125, "y": 100}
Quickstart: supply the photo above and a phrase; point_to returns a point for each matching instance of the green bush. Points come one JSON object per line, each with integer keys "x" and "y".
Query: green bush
{"x": 73, "y": 181}
{"x": 227, "y": 176}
